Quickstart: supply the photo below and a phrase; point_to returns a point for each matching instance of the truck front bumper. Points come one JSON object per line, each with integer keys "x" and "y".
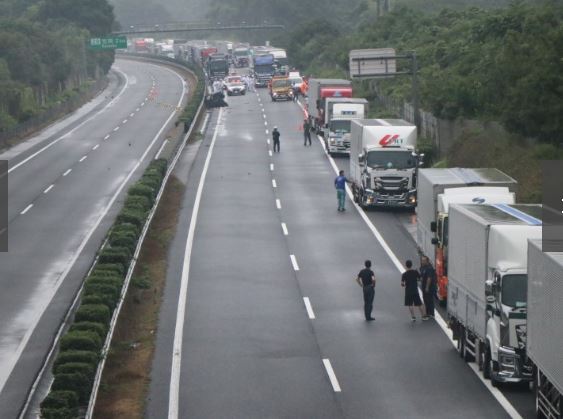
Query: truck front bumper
{"x": 512, "y": 368}
{"x": 377, "y": 199}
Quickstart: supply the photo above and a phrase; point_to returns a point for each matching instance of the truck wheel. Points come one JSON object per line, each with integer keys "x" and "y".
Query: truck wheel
{"x": 467, "y": 357}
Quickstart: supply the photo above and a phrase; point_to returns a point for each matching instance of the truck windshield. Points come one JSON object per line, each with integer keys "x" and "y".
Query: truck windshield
{"x": 514, "y": 290}
{"x": 277, "y": 84}
{"x": 387, "y": 159}
{"x": 239, "y": 53}
{"x": 340, "y": 126}
{"x": 267, "y": 68}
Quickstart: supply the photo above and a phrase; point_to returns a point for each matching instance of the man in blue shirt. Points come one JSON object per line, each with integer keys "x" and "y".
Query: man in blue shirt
{"x": 340, "y": 185}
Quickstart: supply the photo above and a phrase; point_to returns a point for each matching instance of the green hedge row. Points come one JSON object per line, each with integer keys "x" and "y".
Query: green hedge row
{"x": 80, "y": 348}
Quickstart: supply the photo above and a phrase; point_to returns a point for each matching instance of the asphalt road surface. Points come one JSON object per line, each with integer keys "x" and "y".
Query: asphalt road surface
{"x": 262, "y": 317}
{"x": 65, "y": 188}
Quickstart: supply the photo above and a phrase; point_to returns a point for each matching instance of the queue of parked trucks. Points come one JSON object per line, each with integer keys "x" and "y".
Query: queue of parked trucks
{"x": 503, "y": 294}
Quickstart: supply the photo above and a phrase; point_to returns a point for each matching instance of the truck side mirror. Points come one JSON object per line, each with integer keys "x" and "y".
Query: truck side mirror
{"x": 489, "y": 290}
{"x": 433, "y": 227}
{"x": 360, "y": 156}
{"x": 434, "y": 241}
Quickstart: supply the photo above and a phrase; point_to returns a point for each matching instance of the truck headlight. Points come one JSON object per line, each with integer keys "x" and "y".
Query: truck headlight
{"x": 332, "y": 141}
{"x": 412, "y": 199}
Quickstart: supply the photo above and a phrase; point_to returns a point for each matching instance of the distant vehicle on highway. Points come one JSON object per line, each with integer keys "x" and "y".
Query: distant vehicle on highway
{"x": 280, "y": 88}
{"x": 234, "y": 85}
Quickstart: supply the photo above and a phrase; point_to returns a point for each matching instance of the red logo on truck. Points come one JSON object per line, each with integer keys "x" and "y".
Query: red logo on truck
{"x": 389, "y": 140}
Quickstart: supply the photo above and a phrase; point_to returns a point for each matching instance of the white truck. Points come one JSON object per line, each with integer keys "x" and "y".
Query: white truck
{"x": 383, "y": 162}
{"x": 488, "y": 249}
{"x": 338, "y": 115}
{"x": 280, "y": 59}
{"x": 437, "y": 189}
{"x": 544, "y": 342}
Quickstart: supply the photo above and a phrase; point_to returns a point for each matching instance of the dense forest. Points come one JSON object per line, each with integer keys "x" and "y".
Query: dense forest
{"x": 43, "y": 53}
{"x": 502, "y": 64}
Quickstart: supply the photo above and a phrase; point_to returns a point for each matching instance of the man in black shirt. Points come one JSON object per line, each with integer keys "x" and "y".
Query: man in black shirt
{"x": 428, "y": 285}
{"x": 409, "y": 281}
{"x": 366, "y": 280}
{"x": 276, "y": 138}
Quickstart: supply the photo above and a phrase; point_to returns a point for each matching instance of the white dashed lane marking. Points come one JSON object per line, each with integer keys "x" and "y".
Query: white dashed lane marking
{"x": 48, "y": 189}
{"x": 67, "y": 172}
{"x": 26, "y": 209}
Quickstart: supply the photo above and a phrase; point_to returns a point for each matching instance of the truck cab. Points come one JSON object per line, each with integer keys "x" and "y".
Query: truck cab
{"x": 339, "y": 113}
{"x": 280, "y": 88}
{"x": 384, "y": 163}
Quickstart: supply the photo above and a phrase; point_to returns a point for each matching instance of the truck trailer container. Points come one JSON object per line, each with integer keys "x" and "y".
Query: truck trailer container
{"x": 544, "y": 341}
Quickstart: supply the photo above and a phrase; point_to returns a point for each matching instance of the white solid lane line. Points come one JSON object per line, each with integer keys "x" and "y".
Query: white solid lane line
{"x": 284, "y": 229}
{"x": 174, "y": 396}
{"x": 116, "y": 129}
{"x": 497, "y": 394}
{"x": 82, "y": 159}
{"x": 331, "y": 376}
{"x": 278, "y": 204}
{"x": 95, "y": 147}
{"x": 67, "y": 172}
{"x": 294, "y": 262}
{"x": 309, "y": 308}
{"x": 274, "y": 184}
{"x": 106, "y": 137}
{"x": 48, "y": 189}
{"x": 26, "y": 209}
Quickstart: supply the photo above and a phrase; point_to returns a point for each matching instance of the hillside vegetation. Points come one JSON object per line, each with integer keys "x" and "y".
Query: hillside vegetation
{"x": 43, "y": 52}
{"x": 500, "y": 64}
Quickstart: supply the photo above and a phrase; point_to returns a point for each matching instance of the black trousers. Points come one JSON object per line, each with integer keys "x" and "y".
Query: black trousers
{"x": 277, "y": 146}
{"x": 428, "y": 298}
{"x": 369, "y": 293}
{"x": 307, "y": 137}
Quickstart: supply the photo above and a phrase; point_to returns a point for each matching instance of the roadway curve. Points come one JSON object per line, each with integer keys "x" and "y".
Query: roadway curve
{"x": 261, "y": 242}
{"x": 65, "y": 188}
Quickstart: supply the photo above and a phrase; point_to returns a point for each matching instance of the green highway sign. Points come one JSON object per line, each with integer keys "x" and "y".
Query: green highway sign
{"x": 111, "y": 42}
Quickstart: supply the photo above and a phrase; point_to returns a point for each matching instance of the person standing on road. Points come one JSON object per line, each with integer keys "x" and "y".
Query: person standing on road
{"x": 295, "y": 89}
{"x": 340, "y": 185}
{"x": 428, "y": 285}
{"x": 409, "y": 281}
{"x": 306, "y": 132}
{"x": 276, "y": 138}
{"x": 366, "y": 280}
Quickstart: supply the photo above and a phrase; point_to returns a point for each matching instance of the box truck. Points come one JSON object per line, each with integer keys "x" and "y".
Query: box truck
{"x": 319, "y": 91}
{"x": 437, "y": 189}
{"x": 338, "y": 115}
{"x": 487, "y": 283}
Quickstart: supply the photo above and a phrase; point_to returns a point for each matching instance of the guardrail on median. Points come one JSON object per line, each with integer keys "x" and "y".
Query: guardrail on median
{"x": 105, "y": 288}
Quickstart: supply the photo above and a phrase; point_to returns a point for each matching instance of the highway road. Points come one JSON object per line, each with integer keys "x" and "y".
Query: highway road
{"x": 65, "y": 188}
{"x": 262, "y": 317}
